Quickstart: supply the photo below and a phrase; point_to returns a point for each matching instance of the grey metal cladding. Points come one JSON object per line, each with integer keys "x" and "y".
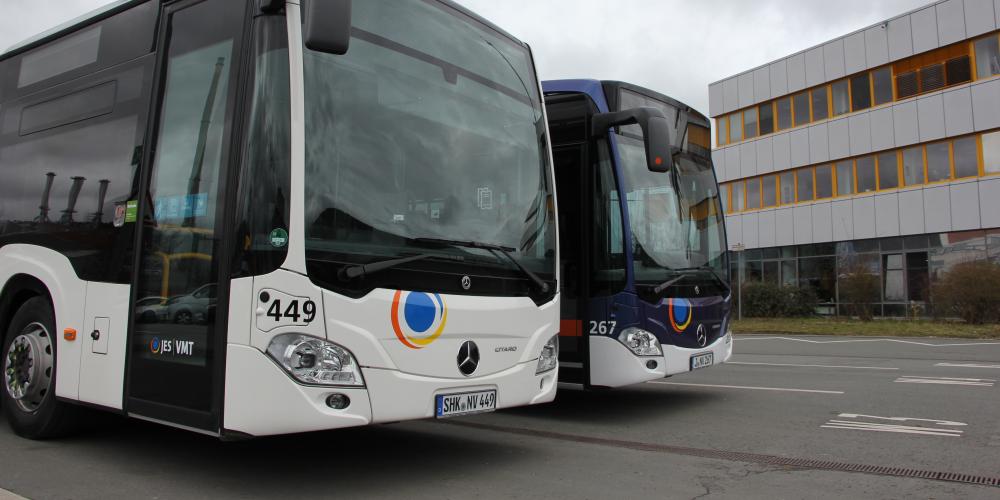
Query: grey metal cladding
{"x": 731, "y": 95}
{"x": 863, "y": 211}
{"x": 930, "y": 115}
{"x": 761, "y": 84}
{"x": 749, "y": 223}
{"x": 715, "y": 99}
{"x": 822, "y": 222}
{"x": 732, "y": 162}
{"x": 887, "y": 215}
{"x": 964, "y": 206}
{"x": 854, "y": 53}
{"x": 779, "y": 77}
{"x": 958, "y": 111}
{"x": 906, "y": 128}
{"x": 719, "y": 162}
{"x": 989, "y": 201}
{"x": 833, "y": 59}
{"x": 950, "y": 21}
{"x": 900, "y": 38}
{"x": 883, "y": 136}
{"x": 765, "y": 155}
{"x": 799, "y": 139}
{"x": 980, "y": 17}
{"x": 784, "y": 226}
{"x": 840, "y": 138}
{"x": 923, "y": 24}
{"x": 748, "y": 159}
{"x": 765, "y": 229}
{"x": 843, "y": 220}
{"x": 996, "y": 11}
{"x": 796, "y": 73}
{"x": 746, "y": 91}
{"x": 877, "y": 45}
{"x": 911, "y": 211}
{"x": 937, "y": 209}
{"x": 986, "y": 104}
{"x": 782, "y": 151}
{"x": 734, "y": 231}
{"x": 803, "y": 224}
{"x": 861, "y": 133}
{"x": 815, "y": 68}
{"x": 819, "y": 148}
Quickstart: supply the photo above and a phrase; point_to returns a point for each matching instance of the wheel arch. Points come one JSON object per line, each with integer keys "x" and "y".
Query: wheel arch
{"x": 18, "y": 290}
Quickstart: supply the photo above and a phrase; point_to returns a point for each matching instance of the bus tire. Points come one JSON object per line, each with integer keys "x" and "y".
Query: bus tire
{"x": 29, "y": 373}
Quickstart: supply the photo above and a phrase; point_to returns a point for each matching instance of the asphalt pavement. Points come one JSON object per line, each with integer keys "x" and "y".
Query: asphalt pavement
{"x": 775, "y": 423}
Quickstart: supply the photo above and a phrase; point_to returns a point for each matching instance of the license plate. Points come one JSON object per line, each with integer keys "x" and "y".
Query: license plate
{"x": 701, "y": 360}
{"x": 453, "y": 405}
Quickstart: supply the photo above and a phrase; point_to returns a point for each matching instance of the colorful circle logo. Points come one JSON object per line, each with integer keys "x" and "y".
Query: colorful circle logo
{"x": 154, "y": 345}
{"x": 680, "y": 314}
{"x": 418, "y": 318}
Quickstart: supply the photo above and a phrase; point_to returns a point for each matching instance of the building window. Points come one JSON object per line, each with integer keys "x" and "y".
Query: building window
{"x": 824, "y": 181}
{"x": 735, "y": 128}
{"x": 987, "y": 57}
{"x": 991, "y": 153}
{"x": 931, "y": 77}
{"x": 738, "y": 204}
{"x": 804, "y": 184}
{"x": 958, "y": 70}
{"x": 786, "y": 182}
{"x": 888, "y": 171}
{"x": 865, "y": 167}
{"x": 861, "y": 97}
{"x": 770, "y": 190}
{"x": 913, "y": 166}
{"x": 750, "y": 123}
{"x": 882, "y": 83}
{"x": 845, "y": 178}
{"x": 766, "y": 118}
{"x": 722, "y": 128}
{"x": 727, "y": 192}
{"x": 906, "y": 85}
{"x": 784, "y": 113}
{"x": 938, "y": 168}
{"x": 894, "y": 286}
{"x": 819, "y": 105}
{"x": 841, "y": 99}
{"x": 800, "y": 105}
{"x": 966, "y": 157}
{"x": 753, "y": 193}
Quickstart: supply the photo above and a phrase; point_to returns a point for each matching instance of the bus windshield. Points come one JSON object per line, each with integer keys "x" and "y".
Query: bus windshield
{"x": 675, "y": 217}
{"x": 429, "y": 128}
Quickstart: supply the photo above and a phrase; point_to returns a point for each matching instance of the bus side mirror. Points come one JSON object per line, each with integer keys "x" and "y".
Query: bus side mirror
{"x": 327, "y": 25}
{"x": 655, "y": 133}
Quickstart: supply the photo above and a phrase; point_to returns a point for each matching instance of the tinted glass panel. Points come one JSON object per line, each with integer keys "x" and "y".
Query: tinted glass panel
{"x": 784, "y": 113}
{"x": 882, "y": 81}
{"x": 966, "y": 157}
{"x": 931, "y": 77}
{"x": 991, "y": 152}
{"x": 766, "y": 116}
{"x": 865, "y": 167}
{"x": 938, "y": 168}
{"x": 63, "y": 110}
{"x": 804, "y": 182}
{"x": 888, "y": 171}
{"x": 841, "y": 100}
{"x": 722, "y": 128}
{"x": 820, "y": 274}
{"x": 987, "y": 57}
{"x": 845, "y": 178}
{"x": 607, "y": 264}
{"x": 72, "y": 52}
{"x": 800, "y": 104}
{"x": 738, "y": 198}
{"x": 824, "y": 181}
{"x": 819, "y": 103}
{"x": 750, "y": 123}
{"x": 787, "y": 183}
{"x": 735, "y": 128}
{"x": 860, "y": 92}
{"x": 958, "y": 70}
{"x": 769, "y": 190}
{"x": 913, "y": 166}
{"x": 906, "y": 85}
{"x": 753, "y": 193}
{"x": 726, "y": 194}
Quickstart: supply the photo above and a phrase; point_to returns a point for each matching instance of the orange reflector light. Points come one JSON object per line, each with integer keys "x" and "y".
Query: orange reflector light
{"x": 658, "y": 160}
{"x": 69, "y": 334}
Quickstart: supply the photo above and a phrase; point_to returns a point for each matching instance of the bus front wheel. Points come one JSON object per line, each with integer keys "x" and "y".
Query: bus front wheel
{"x": 29, "y": 369}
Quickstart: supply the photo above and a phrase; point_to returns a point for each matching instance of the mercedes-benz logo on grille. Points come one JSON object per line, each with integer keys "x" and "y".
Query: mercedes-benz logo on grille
{"x": 466, "y": 282}
{"x": 468, "y": 357}
{"x": 702, "y": 335}
{"x": 697, "y": 290}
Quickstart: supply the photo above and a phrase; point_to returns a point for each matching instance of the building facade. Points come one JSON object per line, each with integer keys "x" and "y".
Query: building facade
{"x": 879, "y": 149}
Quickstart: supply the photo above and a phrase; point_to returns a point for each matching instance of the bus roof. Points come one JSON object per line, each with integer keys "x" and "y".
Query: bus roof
{"x": 583, "y": 83}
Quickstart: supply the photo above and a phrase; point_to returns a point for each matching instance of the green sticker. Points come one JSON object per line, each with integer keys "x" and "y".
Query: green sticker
{"x": 131, "y": 209}
{"x": 278, "y": 237}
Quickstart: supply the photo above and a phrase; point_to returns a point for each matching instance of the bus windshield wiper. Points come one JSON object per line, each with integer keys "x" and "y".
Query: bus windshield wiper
{"x": 666, "y": 284}
{"x": 350, "y": 272}
{"x": 543, "y": 286}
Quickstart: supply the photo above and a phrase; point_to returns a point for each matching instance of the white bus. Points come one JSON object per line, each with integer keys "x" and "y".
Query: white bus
{"x": 248, "y": 218}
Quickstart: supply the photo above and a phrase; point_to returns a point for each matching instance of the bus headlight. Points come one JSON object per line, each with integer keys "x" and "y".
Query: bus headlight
{"x": 549, "y": 358}
{"x": 640, "y": 342}
{"x": 315, "y": 361}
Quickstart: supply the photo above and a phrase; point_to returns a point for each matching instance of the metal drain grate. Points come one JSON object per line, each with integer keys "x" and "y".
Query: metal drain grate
{"x": 738, "y": 456}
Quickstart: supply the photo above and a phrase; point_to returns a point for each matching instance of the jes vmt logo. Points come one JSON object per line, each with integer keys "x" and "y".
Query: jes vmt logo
{"x": 680, "y": 314}
{"x": 418, "y": 318}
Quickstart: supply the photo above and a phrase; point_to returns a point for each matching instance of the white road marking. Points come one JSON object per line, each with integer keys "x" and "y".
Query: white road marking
{"x": 912, "y": 379}
{"x": 812, "y": 366}
{"x": 950, "y": 423}
{"x": 747, "y": 387}
{"x": 9, "y": 495}
{"x": 743, "y": 338}
{"x": 967, "y": 365}
{"x": 895, "y": 428}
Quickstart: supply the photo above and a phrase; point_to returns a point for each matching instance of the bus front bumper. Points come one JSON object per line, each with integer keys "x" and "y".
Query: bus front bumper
{"x": 614, "y": 365}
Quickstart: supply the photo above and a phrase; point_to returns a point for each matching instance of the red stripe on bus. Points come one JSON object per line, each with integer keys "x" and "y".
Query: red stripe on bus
{"x": 570, "y": 328}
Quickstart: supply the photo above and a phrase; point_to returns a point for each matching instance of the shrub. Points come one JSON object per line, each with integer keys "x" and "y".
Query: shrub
{"x": 859, "y": 291}
{"x": 969, "y": 290}
{"x": 763, "y": 299}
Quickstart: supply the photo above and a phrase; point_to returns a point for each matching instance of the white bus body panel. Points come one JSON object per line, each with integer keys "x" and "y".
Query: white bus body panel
{"x": 613, "y": 365}
{"x": 102, "y": 374}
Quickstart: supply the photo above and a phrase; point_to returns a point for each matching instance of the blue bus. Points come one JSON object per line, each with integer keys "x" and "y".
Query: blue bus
{"x": 645, "y": 290}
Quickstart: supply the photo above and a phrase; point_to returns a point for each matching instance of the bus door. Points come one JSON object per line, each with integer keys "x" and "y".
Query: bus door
{"x": 176, "y": 338}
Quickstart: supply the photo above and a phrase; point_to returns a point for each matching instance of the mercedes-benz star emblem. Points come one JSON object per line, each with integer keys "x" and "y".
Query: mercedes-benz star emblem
{"x": 702, "y": 335}
{"x": 468, "y": 357}
{"x": 466, "y": 282}
{"x": 697, "y": 290}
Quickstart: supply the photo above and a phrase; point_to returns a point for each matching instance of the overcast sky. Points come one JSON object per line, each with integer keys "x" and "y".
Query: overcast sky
{"x": 676, "y": 47}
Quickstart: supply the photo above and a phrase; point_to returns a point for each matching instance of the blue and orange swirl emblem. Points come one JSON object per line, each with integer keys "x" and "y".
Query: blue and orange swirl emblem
{"x": 680, "y": 313}
{"x": 418, "y": 318}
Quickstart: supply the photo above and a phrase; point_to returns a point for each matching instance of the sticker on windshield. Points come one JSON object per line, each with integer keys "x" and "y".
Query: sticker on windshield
{"x": 485, "y": 196}
{"x": 278, "y": 238}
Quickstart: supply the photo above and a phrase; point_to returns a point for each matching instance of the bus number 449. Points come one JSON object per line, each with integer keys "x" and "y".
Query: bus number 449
{"x": 292, "y": 311}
